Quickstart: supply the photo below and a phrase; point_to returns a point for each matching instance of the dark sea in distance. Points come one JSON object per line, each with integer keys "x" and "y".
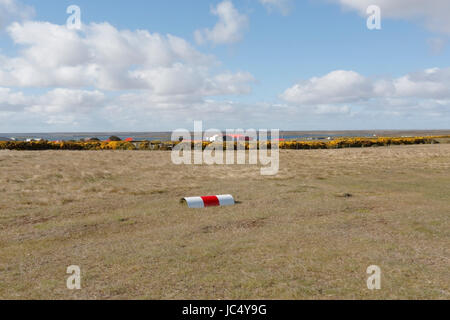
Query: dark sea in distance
{"x": 165, "y": 136}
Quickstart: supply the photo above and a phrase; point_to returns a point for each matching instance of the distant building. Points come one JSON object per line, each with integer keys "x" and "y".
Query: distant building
{"x": 216, "y": 138}
{"x": 229, "y": 137}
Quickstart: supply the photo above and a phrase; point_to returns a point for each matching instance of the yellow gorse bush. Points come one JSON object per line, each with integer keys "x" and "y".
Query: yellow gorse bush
{"x": 47, "y": 145}
{"x": 355, "y": 143}
{"x": 158, "y": 145}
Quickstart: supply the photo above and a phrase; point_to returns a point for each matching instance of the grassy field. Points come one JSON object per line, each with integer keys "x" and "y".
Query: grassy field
{"x": 308, "y": 233}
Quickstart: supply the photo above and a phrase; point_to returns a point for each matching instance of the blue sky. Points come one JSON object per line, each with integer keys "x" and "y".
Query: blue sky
{"x": 300, "y": 65}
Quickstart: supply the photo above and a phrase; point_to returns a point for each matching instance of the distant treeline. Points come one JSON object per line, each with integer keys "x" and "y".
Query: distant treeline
{"x": 158, "y": 145}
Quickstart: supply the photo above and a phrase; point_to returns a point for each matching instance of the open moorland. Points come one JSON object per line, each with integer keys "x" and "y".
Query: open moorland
{"x": 308, "y": 233}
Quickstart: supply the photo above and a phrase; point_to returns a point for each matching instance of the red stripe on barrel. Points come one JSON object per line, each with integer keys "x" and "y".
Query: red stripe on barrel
{"x": 211, "y": 201}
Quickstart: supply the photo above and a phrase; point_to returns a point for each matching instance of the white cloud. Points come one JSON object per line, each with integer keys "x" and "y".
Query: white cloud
{"x": 59, "y": 110}
{"x": 12, "y": 10}
{"x": 230, "y": 84}
{"x": 432, "y": 13}
{"x": 101, "y": 75}
{"x": 348, "y": 87}
{"x": 229, "y": 29}
{"x": 55, "y": 107}
{"x": 12, "y": 101}
{"x": 331, "y": 109}
{"x": 105, "y": 58}
{"x": 428, "y": 84}
{"x": 415, "y": 100}
{"x": 283, "y": 6}
{"x": 339, "y": 100}
{"x": 67, "y": 101}
{"x": 335, "y": 87}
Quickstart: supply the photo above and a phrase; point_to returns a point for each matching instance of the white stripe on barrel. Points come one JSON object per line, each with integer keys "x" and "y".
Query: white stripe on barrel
{"x": 226, "y": 200}
{"x": 209, "y": 201}
{"x": 194, "y": 202}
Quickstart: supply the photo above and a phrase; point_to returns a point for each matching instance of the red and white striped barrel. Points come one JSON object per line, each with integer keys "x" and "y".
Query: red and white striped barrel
{"x": 209, "y": 201}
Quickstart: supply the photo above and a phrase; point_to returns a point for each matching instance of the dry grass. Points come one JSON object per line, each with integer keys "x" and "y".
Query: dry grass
{"x": 308, "y": 233}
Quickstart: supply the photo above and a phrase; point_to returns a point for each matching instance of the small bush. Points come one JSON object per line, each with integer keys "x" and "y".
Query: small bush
{"x": 114, "y": 138}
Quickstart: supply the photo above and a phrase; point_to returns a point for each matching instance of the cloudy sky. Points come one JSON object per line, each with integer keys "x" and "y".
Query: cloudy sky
{"x": 141, "y": 65}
